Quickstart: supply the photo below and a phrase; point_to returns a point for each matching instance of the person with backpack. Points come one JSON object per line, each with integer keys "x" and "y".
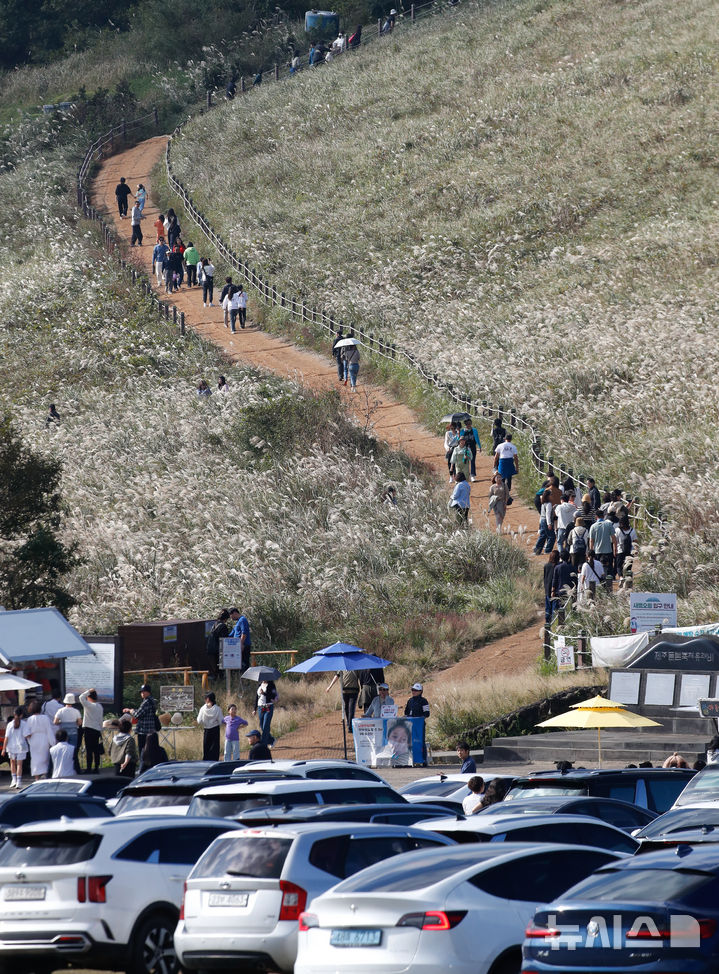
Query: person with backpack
{"x": 337, "y": 355}
{"x": 578, "y": 541}
{"x": 498, "y": 500}
{"x": 473, "y": 442}
{"x": 591, "y": 574}
{"x": 625, "y": 537}
{"x": 498, "y": 433}
{"x": 220, "y": 630}
{"x": 564, "y": 513}
{"x": 506, "y": 461}
{"x": 191, "y": 258}
{"x": 604, "y": 544}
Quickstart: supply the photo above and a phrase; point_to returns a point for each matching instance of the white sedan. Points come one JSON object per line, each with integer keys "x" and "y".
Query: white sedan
{"x": 460, "y": 910}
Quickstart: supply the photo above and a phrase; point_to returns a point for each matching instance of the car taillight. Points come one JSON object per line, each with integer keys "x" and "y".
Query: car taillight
{"x": 682, "y": 927}
{"x": 182, "y": 905}
{"x": 541, "y": 932}
{"x": 307, "y": 921}
{"x": 294, "y": 900}
{"x": 432, "y": 920}
{"x": 92, "y": 889}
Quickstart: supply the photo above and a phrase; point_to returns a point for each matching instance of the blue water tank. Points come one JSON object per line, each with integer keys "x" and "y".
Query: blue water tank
{"x": 325, "y": 21}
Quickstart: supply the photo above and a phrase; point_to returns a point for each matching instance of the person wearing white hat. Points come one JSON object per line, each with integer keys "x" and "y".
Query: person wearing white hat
{"x": 68, "y": 719}
{"x": 417, "y": 706}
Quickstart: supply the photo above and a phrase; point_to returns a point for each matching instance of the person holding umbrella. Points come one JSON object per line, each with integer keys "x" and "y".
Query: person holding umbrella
{"x": 267, "y": 697}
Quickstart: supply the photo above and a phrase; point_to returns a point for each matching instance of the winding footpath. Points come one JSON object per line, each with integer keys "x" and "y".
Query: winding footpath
{"x": 391, "y": 421}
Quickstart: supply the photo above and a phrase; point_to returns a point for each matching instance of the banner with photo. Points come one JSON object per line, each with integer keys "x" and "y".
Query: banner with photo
{"x": 389, "y": 742}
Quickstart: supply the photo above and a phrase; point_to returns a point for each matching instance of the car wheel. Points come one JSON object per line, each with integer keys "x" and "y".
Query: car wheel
{"x": 152, "y": 950}
{"x": 511, "y": 963}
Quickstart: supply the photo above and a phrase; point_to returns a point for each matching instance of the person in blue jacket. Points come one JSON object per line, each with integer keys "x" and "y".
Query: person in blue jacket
{"x": 241, "y": 631}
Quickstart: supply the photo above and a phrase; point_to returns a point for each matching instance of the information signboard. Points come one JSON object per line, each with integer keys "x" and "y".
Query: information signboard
{"x": 180, "y": 699}
{"x": 647, "y": 610}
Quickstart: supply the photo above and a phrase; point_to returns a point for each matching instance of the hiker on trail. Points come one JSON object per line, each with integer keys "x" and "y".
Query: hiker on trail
{"x": 159, "y": 226}
{"x": 459, "y": 501}
{"x": 564, "y": 513}
{"x": 451, "y": 440}
{"x": 53, "y": 416}
{"x": 356, "y": 39}
{"x": 565, "y": 577}
{"x": 241, "y": 296}
{"x": 232, "y": 733}
{"x": 462, "y": 458}
{"x": 191, "y": 258}
{"x": 498, "y": 434}
{"x": 603, "y": 543}
{"x": 210, "y": 719}
{"x": 474, "y": 445}
{"x": 550, "y": 604}
{"x": 135, "y": 218}
{"x": 352, "y": 361}
{"x": 159, "y": 253}
{"x": 295, "y": 63}
{"x": 230, "y": 89}
{"x": 578, "y": 541}
{"x": 498, "y": 500}
{"x": 226, "y": 292}
{"x": 546, "y": 534}
{"x": 141, "y": 196}
{"x": 594, "y": 496}
{"x": 337, "y": 355}
{"x": 506, "y": 461}
{"x": 172, "y": 230}
{"x": 234, "y": 301}
{"x": 220, "y": 630}
{"x": 625, "y": 539}
{"x": 173, "y": 270}
{"x": 122, "y": 191}
{"x": 257, "y": 79}
{"x": 208, "y": 281}
{"x": 589, "y": 577}
{"x": 241, "y": 631}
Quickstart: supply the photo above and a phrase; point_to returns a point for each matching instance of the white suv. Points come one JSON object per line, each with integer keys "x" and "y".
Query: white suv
{"x": 97, "y": 893}
{"x": 244, "y": 897}
{"x": 231, "y": 800}
{"x": 328, "y": 770}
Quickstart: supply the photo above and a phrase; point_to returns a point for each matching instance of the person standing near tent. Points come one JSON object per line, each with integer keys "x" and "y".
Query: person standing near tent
{"x": 41, "y": 737}
{"x": 349, "y": 684}
{"x": 92, "y": 729}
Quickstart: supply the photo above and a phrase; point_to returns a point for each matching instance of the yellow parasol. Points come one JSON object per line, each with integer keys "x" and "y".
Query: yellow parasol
{"x": 598, "y": 712}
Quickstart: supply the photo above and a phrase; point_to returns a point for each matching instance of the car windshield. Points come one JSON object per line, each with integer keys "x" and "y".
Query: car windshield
{"x": 638, "y": 885}
{"x": 704, "y": 787}
{"x": 439, "y": 789}
{"x": 55, "y": 787}
{"x": 131, "y": 803}
{"x": 48, "y": 848}
{"x": 257, "y": 856}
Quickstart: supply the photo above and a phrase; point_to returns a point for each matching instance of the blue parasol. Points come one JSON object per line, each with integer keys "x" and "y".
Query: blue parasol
{"x": 340, "y": 656}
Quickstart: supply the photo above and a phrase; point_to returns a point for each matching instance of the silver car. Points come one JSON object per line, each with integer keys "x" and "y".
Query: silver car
{"x": 244, "y": 896}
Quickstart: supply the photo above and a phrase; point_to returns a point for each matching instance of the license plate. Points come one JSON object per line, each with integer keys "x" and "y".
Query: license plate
{"x": 356, "y": 938}
{"x": 228, "y": 899}
{"x": 24, "y": 893}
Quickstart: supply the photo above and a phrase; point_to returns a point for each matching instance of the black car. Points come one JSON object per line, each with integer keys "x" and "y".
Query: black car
{"x": 189, "y": 769}
{"x": 103, "y": 786}
{"x": 654, "y": 788}
{"x": 382, "y": 814}
{"x": 623, "y": 815}
{"x": 21, "y": 809}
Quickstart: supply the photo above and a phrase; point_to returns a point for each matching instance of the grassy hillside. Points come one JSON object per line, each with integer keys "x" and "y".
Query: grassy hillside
{"x": 267, "y": 497}
{"x": 526, "y": 197}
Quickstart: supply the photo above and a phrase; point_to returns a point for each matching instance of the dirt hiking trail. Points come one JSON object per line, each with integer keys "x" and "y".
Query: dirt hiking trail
{"x": 391, "y": 420}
